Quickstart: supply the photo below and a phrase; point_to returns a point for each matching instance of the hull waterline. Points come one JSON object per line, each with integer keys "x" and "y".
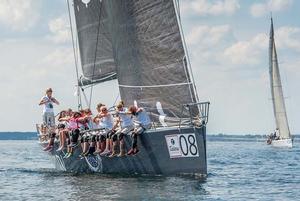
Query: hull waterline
{"x": 283, "y": 143}
{"x": 162, "y": 152}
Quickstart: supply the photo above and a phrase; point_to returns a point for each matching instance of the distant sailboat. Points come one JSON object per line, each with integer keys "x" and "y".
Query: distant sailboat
{"x": 282, "y": 135}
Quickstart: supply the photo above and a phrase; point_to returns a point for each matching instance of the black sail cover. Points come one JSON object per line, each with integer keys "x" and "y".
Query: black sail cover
{"x": 150, "y": 58}
{"x": 94, "y": 38}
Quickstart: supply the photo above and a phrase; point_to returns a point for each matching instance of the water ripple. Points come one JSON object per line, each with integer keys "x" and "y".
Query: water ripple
{"x": 238, "y": 170}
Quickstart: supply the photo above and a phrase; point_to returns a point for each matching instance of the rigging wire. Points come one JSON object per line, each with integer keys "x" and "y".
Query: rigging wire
{"x": 178, "y": 9}
{"x": 75, "y": 57}
{"x": 186, "y": 51}
{"x": 97, "y": 41}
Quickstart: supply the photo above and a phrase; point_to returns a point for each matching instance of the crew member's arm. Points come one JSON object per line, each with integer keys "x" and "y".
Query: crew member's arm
{"x": 43, "y": 101}
{"x": 139, "y": 110}
{"x": 64, "y": 119}
{"x": 96, "y": 119}
{"x": 55, "y": 101}
{"x": 116, "y": 123}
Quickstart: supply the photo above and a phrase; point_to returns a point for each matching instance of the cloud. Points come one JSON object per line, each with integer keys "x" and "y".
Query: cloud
{"x": 208, "y": 35}
{"x": 19, "y": 15}
{"x": 60, "y": 30}
{"x": 247, "y": 52}
{"x": 262, "y": 9}
{"x": 39, "y": 64}
{"x": 207, "y": 7}
{"x": 288, "y": 37}
{"x": 208, "y": 42}
{"x": 251, "y": 51}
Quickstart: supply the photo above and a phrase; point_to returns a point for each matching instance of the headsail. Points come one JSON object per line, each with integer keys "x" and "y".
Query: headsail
{"x": 276, "y": 89}
{"x": 150, "y": 58}
{"x": 94, "y": 39}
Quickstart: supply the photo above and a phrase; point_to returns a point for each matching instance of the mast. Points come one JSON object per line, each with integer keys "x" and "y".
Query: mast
{"x": 78, "y": 93}
{"x": 276, "y": 89}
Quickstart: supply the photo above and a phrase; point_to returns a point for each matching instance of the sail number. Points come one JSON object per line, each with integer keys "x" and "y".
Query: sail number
{"x": 182, "y": 145}
{"x": 188, "y": 145}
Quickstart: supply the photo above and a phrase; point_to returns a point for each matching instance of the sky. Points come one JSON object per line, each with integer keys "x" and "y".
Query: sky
{"x": 227, "y": 42}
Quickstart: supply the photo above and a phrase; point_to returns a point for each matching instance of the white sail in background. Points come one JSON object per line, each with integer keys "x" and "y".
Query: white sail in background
{"x": 276, "y": 90}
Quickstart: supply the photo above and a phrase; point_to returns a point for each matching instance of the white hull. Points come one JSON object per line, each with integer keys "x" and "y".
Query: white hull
{"x": 288, "y": 143}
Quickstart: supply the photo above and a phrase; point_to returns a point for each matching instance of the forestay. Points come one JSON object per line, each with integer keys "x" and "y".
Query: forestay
{"x": 276, "y": 89}
{"x": 94, "y": 38}
{"x": 150, "y": 58}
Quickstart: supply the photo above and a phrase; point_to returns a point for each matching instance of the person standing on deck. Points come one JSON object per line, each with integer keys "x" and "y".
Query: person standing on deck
{"x": 48, "y": 111}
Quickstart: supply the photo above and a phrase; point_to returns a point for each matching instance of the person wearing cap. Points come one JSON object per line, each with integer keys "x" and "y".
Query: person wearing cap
{"x": 48, "y": 112}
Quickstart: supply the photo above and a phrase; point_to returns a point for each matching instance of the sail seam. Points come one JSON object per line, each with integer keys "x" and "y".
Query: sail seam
{"x": 154, "y": 86}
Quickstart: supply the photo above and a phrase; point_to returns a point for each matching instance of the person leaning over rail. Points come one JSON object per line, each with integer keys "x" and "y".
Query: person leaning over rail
{"x": 48, "y": 111}
{"x": 88, "y": 141}
{"x": 104, "y": 119}
{"x": 142, "y": 123}
{"x": 125, "y": 118}
{"x": 62, "y": 129}
{"x": 75, "y": 123}
{"x": 96, "y": 123}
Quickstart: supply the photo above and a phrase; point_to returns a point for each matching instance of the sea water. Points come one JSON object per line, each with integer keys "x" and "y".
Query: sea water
{"x": 239, "y": 168}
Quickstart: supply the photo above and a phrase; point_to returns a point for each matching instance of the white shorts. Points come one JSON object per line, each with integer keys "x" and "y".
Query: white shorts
{"x": 125, "y": 130}
{"x": 48, "y": 119}
{"x": 139, "y": 129}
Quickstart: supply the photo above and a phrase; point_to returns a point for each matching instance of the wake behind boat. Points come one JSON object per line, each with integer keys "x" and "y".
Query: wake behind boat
{"x": 282, "y": 136}
{"x": 141, "y": 44}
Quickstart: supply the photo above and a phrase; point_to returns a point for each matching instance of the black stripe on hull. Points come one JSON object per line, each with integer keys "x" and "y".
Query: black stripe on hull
{"x": 153, "y": 159}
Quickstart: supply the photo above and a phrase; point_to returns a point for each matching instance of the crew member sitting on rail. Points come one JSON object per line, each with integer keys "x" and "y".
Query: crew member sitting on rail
{"x": 75, "y": 123}
{"x": 62, "y": 129}
{"x": 125, "y": 118}
{"x": 86, "y": 137}
{"x": 105, "y": 121}
{"x": 52, "y": 134}
{"x": 142, "y": 123}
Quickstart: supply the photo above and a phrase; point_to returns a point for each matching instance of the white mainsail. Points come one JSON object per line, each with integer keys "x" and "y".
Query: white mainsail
{"x": 276, "y": 90}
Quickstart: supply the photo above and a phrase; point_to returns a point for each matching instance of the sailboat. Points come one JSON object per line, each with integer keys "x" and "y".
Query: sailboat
{"x": 141, "y": 44}
{"x": 282, "y": 136}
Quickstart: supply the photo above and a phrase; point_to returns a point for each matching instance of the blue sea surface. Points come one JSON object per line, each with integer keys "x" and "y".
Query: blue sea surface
{"x": 242, "y": 168}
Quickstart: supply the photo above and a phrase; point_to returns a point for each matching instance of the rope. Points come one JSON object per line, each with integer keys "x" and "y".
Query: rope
{"x": 91, "y": 93}
{"x": 84, "y": 95}
{"x": 75, "y": 56}
{"x": 116, "y": 99}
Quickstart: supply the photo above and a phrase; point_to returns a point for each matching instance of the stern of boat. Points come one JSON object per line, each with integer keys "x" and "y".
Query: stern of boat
{"x": 283, "y": 143}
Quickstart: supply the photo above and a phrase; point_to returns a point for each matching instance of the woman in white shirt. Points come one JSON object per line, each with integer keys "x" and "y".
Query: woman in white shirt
{"x": 142, "y": 123}
{"x": 105, "y": 121}
{"x": 48, "y": 111}
{"x": 126, "y": 121}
